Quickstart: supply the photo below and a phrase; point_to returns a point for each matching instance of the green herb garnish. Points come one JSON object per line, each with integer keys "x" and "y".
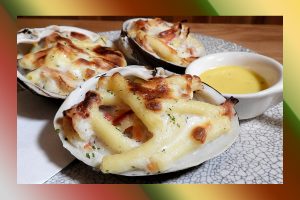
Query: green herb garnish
{"x": 103, "y": 40}
{"x": 87, "y": 155}
{"x": 172, "y": 118}
{"x": 109, "y": 91}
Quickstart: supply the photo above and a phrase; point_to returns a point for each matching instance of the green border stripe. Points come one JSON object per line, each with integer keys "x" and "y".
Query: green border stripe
{"x": 291, "y": 118}
{"x": 14, "y": 7}
{"x": 206, "y": 7}
{"x": 160, "y": 192}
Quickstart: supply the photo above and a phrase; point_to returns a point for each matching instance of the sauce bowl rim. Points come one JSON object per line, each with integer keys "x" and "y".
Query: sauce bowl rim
{"x": 277, "y": 87}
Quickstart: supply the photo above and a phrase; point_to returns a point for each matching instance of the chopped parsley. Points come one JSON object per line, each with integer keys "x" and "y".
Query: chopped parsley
{"x": 172, "y": 118}
{"x": 87, "y": 155}
{"x": 93, "y": 155}
{"x": 109, "y": 91}
{"x": 103, "y": 40}
{"x": 57, "y": 130}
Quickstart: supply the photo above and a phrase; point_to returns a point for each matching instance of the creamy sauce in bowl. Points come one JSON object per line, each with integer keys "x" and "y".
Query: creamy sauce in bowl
{"x": 265, "y": 74}
{"x": 234, "y": 80}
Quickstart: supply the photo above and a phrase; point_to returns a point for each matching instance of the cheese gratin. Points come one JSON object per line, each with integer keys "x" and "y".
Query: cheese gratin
{"x": 61, "y": 61}
{"x": 170, "y": 42}
{"x": 141, "y": 124}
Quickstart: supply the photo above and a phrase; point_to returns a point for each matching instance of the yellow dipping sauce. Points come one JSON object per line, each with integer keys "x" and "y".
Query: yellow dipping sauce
{"x": 234, "y": 80}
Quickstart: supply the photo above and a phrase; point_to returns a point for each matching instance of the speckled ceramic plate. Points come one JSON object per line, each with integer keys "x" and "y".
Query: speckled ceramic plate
{"x": 255, "y": 157}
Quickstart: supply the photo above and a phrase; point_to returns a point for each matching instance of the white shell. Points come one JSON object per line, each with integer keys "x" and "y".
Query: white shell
{"x": 203, "y": 153}
{"x": 33, "y": 35}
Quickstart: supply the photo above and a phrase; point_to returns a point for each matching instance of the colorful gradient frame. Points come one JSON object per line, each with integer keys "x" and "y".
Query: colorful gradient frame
{"x": 10, "y": 9}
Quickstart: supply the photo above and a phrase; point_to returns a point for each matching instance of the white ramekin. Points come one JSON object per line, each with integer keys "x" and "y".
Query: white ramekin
{"x": 252, "y": 104}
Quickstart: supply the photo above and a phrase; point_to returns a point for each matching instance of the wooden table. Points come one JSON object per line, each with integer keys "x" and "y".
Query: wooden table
{"x": 264, "y": 39}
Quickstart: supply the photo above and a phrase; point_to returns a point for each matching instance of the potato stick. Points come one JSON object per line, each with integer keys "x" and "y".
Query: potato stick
{"x": 194, "y": 107}
{"x": 185, "y": 143}
{"x": 163, "y": 50}
{"x": 108, "y": 133}
{"x": 139, "y": 157}
{"x": 151, "y": 119}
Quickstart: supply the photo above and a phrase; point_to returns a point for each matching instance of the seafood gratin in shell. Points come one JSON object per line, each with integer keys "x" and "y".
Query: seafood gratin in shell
{"x": 54, "y": 60}
{"x": 160, "y": 43}
{"x": 133, "y": 121}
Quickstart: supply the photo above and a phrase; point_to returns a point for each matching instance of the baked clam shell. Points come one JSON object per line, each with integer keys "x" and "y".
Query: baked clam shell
{"x": 27, "y": 36}
{"x": 203, "y": 153}
{"x": 136, "y": 52}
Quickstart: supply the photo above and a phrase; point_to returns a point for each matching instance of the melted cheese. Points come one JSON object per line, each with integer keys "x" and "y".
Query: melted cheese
{"x": 139, "y": 136}
{"x": 175, "y": 36}
{"x": 62, "y": 61}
